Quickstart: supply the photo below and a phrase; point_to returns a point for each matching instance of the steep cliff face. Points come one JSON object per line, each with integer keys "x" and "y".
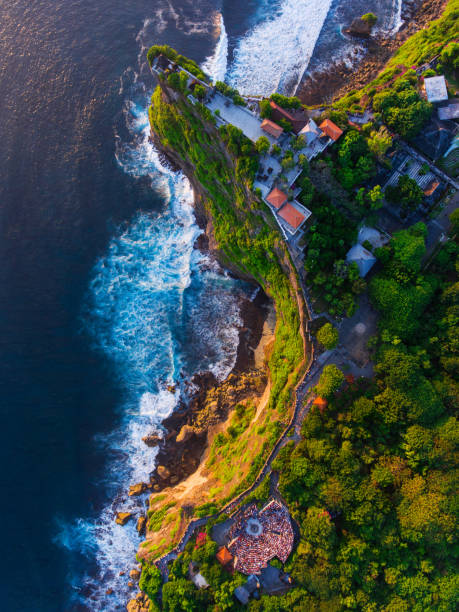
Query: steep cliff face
{"x": 241, "y": 232}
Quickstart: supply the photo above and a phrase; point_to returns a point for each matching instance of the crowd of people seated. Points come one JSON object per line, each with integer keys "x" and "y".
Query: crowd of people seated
{"x": 252, "y": 548}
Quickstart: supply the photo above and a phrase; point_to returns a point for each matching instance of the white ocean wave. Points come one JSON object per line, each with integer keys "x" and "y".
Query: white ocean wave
{"x": 275, "y": 53}
{"x": 216, "y": 64}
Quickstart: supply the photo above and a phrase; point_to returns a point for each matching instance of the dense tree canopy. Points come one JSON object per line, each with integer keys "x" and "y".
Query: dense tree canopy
{"x": 406, "y": 193}
{"x": 403, "y": 110}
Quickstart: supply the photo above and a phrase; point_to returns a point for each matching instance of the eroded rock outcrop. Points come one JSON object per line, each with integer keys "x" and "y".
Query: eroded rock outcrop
{"x": 137, "y": 489}
{"x": 123, "y": 517}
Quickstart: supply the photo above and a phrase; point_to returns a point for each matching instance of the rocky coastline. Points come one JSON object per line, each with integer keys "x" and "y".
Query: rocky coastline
{"x": 208, "y": 402}
{"x": 324, "y": 86}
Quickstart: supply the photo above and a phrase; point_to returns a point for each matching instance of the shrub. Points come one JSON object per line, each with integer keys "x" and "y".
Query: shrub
{"x": 262, "y": 145}
{"x": 330, "y": 381}
{"x": 406, "y": 193}
{"x": 150, "y": 581}
{"x": 328, "y": 336}
{"x": 369, "y": 18}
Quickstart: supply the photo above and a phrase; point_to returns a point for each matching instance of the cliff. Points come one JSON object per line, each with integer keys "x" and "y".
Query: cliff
{"x": 220, "y": 164}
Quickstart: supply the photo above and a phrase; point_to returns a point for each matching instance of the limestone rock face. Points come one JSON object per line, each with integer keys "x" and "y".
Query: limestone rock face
{"x": 152, "y": 440}
{"x": 163, "y": 472}
{"x": 139, "y": 604}
{"x": 141, "y": 522}
{"x": 137, "y": 489}
{"x": 123, "y": 517}
{"x": 185, "y": 433}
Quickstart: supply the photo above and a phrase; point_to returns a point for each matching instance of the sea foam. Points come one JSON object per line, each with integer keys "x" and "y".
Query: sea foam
{"x": 274, "y": 54}
{"x": 159, "y": 311}
{"x": 216, "y": 64}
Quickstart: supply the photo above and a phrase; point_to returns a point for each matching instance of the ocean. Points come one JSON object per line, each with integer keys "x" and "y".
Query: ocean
{"x": 104, "y": 302}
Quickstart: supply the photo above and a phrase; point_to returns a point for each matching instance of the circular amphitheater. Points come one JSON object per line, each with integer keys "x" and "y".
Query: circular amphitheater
{"x": 257, "y": 536}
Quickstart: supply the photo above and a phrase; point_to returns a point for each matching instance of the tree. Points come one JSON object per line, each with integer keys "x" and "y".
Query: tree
{"x": 454, "y": 218}
{"x": 401, "y": 107}
{"x": 150, "y": 581}
{"x": 174, "y": 80}
{"x": 375, "y": 197}
{"x": 287, "y": 161}
{"x": 406, "y": 193}
{"x": 224, "y": 596}
{"x": 265, "y": 109}
{"x": 179, "y": 595}
{"x": 328, "y": 336}
{"x": 369, "y": 18}
{"x": 379, "y": 142}
{"x": 262, "y": 145}
{"x": 330, "y": 381}
{"x": 200, "y": 92}
{"x": 408, "y": 247}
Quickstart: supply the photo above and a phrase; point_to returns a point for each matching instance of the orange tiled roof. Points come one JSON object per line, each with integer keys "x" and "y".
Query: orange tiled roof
{"x": 271, "y": 128}
{"x": 276, "y": 198}
{"x": 293, "y": 217}
{"x": 331, "y": 129}
{"x": 431, "y": 188}
{"x": 224, "y": 555}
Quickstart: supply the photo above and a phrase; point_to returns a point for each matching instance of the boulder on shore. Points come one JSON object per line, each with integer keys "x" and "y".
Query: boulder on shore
{"x": 141, "y": 522}
{"x": 185, "y": 433}
{"x": 134, "y": 574}
{"x": 141, "y": 603}
{"x": 163, "y": 472}
{"x": 123, "y": 517}
{"x": 359, "y": 27}
{"x": 137, "y": 489}
{"x": 152, "y": 440}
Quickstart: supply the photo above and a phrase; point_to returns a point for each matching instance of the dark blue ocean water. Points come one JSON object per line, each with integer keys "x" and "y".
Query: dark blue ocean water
{"x": 103, "y": 300}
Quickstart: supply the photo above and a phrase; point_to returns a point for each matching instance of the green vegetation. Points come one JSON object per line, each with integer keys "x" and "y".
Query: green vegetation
{"x": 379, "y": 142}
{"x": 262, "y": 145}
{"x": 400, "y": 293}
{"x": 369, "y": 18}
{"x": 150, "y": 581}
{"x": 330, "y": 381}
{"x": 230, "y": 92}
{"x": 172, "y": 54}
{"x": 373, "y": 482}
{"x": 179, "y": 593}
{"x": 406, "y": 193}
{"x": 402, "y": 109}
{"x": 356, "y": 164}
{"x": 372, "y": 199}
{"x": 454, "y": 218}
{"x": 241, "y": 232}
{"x": 328, "y": 336}
{"x": 285, "y": 101}
{"x": 330, "y": 278}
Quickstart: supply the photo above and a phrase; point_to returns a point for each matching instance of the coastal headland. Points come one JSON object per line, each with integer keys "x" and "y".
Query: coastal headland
{"x": 227, "y": 445}
{"x": 203, "y": 463}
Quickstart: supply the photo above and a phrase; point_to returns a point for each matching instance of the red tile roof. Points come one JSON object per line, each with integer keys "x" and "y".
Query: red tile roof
{"x": 293, "y": 216}
{"x": 224, "y": 555}
{"x": 296, "y": 116}
{"x": 428, "y": 191}
{"x": 331, "y": 129}
{"x": 271, "y": 128}
{"x": 276, "y": 198}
